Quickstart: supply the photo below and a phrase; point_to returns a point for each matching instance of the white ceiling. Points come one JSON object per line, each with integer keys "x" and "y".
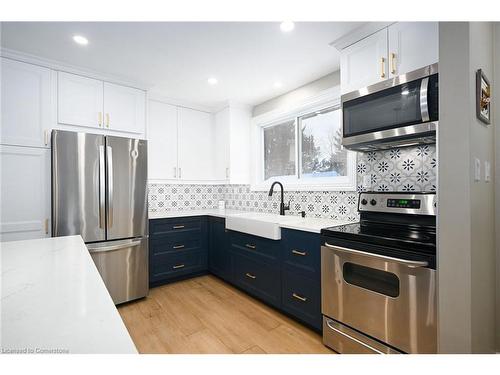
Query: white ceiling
{"x": 176, "y": 58}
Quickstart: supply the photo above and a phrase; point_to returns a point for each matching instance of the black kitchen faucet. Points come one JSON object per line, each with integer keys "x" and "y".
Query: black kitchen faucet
{"x": 283, "y": 207}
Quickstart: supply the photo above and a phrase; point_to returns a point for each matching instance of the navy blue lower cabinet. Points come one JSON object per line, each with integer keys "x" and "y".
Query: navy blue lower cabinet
{"x": 301, "y": 276}
{"x": 301, "y": 297}
{"x": 219, "y": 257}
{"x": 259, "y": 278}
{"x": 178, "y": 248}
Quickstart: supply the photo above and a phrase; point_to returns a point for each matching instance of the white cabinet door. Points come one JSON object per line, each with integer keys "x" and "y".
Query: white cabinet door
{"x": 364, "y": 62}
{"x": 25, "y": 193}
{"x": 162, "y": 141}
{"x": 222, "y": 137}
{"x": 196, "y": 145}
{"x": 80, "y": 100}
{"x": 412, "y": 45}
{"x": 26, "y": 109}
{"x": 124, "y": 108}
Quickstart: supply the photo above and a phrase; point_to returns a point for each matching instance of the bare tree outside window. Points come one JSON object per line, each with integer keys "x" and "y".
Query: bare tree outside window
{"x": 321, "y": 140}
{"x": 279, "y": 150}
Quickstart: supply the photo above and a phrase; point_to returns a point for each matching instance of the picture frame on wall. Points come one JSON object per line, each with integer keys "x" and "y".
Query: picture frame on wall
{"x": 483, "y": 97}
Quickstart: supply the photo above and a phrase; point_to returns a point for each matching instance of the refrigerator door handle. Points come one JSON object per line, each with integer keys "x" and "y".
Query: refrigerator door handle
{"x": 102, "y": 249}
{"x": 102, "y": 188}
{"x": 109, "y": 156}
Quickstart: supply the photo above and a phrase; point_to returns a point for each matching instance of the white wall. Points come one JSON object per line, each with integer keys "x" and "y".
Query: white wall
{"x": 298, "y": 95}
{"x": 496, "y": 112}
{"x": 466, "y": 232}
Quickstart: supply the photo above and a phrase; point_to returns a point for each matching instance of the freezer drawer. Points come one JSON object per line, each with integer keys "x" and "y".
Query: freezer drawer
{"x": 123, "y": 266}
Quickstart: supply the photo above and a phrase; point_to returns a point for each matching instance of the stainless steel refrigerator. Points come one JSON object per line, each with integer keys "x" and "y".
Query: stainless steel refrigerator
{"x": 99, "y": 192}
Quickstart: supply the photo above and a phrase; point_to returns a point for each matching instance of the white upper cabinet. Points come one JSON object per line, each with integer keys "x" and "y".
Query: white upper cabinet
{"x": 195, "y": 145}
{"x": 80, "y": 100}
{"x": 26, "y": 99}
{"x": 162, "y": 141}
{"x": 392, "y": 51}
{"x": 93, "y": 103}
{"x": 364, "y": 63}
{"x": 412, "y": 45}
{"x": 232, "y": 145}
{"x": 124, "y": 108}
{"x": 222, "y": 148}
{"x": 25, "y": 193}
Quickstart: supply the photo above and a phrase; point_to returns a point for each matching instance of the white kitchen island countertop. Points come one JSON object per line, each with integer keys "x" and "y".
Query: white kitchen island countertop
{"x": 307, "y": 224}
{"x": 53, "y": 300}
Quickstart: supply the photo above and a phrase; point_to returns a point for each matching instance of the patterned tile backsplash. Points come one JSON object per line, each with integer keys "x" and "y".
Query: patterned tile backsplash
{"x": 399, "y": 169}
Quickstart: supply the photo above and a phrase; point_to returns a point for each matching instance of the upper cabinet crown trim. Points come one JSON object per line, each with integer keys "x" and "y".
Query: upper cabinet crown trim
{"x": 68, "y": 68}
{"x": 361, "y": 32}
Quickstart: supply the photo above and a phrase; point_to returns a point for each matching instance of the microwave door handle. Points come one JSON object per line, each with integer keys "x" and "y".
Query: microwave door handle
{"x": 424, "y": 106}
{"x": 405, "y": 262}
{"x": 109, "y": 154}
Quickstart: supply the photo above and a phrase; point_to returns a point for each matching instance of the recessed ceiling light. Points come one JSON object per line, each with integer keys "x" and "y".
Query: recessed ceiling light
{"x": 287, "y": 26}
{"x": 212, "y": 81}
{"x": 80, "y": 40}
{"x": 277, "y": 84}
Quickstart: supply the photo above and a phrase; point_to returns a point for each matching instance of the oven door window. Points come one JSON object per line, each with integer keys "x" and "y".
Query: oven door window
{"x": 387, "y": 109}
{"x": 378, "y": 281}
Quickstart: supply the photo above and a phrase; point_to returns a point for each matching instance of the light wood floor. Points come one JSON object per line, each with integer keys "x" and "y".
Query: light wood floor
{"x": 206, "y": 315}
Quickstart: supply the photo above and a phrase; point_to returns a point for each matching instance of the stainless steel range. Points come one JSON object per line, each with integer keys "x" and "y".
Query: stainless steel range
{"x": 379, "y": 277}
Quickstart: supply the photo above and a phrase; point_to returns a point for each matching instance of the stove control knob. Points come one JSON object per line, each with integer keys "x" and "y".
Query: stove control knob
{"x": 373, "y": 202}
{"x": 364, "y": 202}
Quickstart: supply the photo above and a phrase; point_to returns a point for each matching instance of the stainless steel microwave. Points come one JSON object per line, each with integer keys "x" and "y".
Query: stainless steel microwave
{"x": 401, "y": 111}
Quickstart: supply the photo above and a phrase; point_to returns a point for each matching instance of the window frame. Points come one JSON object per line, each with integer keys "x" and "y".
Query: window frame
{"x": 295, "y": 182}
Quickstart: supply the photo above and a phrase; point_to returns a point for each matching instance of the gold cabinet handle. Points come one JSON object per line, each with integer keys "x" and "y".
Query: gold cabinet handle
{"x": 178, "y": 226}
{"x": 253, "y": 247}
{"x": 301, "y": 253}
{"x": 249, "y": 275}
{"x": 179, "y": 247}
{"x": 107, "y": 120}
{"x": 178, "y": 266}
{"x": 393, "y": 63}
{"x": 100, "y": 119}
{"x": 47, "y": 226}
{"x": 382, "y": 67}
{"x": 300, "y": 298}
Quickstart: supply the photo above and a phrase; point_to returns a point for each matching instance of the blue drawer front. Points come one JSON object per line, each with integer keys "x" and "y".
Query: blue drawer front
{"x": 257, "y": 278}
{"x": 245, "y": 243}
{"x": 301, "y": 297}
{"x": 167, "y": 266}
{"x": 176, "y": 243}
{"x": 303, "y": 251}
{"x": 160, "y": 227}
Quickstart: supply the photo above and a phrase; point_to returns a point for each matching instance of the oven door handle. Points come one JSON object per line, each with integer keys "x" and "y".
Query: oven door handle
{"x": 369, "y": 347}
{"x": 405, "y": 262}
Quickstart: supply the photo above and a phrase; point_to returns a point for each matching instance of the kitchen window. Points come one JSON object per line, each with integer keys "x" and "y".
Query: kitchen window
{"x": 305, "y": 152}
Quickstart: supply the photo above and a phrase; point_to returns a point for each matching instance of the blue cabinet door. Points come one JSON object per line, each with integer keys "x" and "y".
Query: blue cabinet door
{"x": 301, "y": 276}
{"x": 219, "y": 259}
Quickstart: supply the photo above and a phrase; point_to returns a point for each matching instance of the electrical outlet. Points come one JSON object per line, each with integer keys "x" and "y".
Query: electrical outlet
{"x": 367, "y": 181}
{"x": 477, "y": 169}
{"x": 487, "y": 171}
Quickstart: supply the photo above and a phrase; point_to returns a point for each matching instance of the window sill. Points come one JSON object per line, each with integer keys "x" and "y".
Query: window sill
{"x": 307, "y": 186}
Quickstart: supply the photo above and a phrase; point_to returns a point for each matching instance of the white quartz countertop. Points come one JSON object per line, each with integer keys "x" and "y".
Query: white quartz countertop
{"x": 54, "y": 300}
{"x": 306, "y": 224}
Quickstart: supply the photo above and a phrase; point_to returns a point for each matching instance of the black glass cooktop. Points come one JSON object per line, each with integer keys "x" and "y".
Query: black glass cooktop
{"x": 408, "y": 237}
